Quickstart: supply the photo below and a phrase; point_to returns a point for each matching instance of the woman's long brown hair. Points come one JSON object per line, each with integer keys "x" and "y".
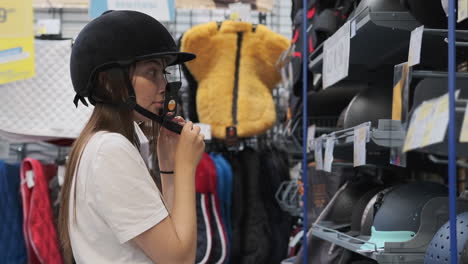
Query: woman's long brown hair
{"x": 110, "y": 87}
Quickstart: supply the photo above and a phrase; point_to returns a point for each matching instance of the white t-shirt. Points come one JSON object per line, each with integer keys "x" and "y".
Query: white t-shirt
{"x": 116, "y": 200}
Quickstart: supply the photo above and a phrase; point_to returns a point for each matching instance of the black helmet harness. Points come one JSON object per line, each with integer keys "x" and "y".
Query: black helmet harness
{"x": 162, "y": 118}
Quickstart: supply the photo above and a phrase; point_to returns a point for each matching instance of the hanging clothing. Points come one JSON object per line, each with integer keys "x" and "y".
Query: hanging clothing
{"x": 12, "y": 247}
{"x": 275, "y": 170}
{"x": 235, "y": 73}
{"x": 251, "y": 232}
{"x": 116, "y": 200}
{"x": 237, "y": 208}
{"x": 38, "y": 222}
{"x": 206, "y": 186}
{"x": 224, "y": 181}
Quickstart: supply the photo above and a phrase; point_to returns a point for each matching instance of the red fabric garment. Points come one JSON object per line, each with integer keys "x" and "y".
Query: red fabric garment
{"x": 206, "y": 183}
{"x": 38, "y": 223}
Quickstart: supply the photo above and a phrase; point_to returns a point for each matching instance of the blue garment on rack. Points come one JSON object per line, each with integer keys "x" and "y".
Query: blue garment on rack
{"x": 224, "y": 186}
{"x": 226, "y": 197}
{"x": 12, "y": 247}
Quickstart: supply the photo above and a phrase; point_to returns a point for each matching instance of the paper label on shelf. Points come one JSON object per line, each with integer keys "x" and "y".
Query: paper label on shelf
{"x": 30, "y": 179}
{"x": 360, "y": 140}
{"x": 353, "y": 28}
{"x": 336, "y": 56}
{"x": 4, "y": 149}
{"x": 445, "y": 6}
{"x": 310, "y": 138}
{"x": 428, "y": 124}
{"x": 462, "y": 10}
{"x": 464, "y": 130}
{"x": 418, "y": 126}
{"x": 318, "y": 153}
{"x": 414, "y": 54}
{"x": 329, "y": 146}
{"x": 205, "y": 130}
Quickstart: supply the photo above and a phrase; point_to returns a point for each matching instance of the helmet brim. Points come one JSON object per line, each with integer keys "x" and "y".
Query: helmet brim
{"x": 175, "y": 57}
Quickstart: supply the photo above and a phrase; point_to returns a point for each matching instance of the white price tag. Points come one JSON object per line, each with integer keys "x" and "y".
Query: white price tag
{"x": 464, "y": 130}
{"x": 205, "y": 130}
{"x": 295, "y": 172}
{"x": 336, "y": 56}
{"x": 445, "y": 6}
{"x": 360, "y": 140}
{"x": 48, "y": 27}
{"x": 318, "y": 154}
{"x": 30, "y": 179}
{"x": 241, "y": 10}
{"x": 428, "y": 124}
{"x": 61, "y": 174}
{"x": 329, "y": 146}
{"x": 462, "y": 10}
{"x": 414, "y": 54}
{"x": 4, "y": 149}
{"x": 310, "y": 138}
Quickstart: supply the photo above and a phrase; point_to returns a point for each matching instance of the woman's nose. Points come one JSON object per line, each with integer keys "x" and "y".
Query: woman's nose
{"x": 162, "y": 87}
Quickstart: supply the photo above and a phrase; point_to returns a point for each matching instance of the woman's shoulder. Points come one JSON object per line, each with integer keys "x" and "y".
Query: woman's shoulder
{"x": 104, "y": 142}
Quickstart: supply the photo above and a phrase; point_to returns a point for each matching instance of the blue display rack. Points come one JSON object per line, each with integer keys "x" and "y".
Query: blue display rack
{"x": 452, "y": 139}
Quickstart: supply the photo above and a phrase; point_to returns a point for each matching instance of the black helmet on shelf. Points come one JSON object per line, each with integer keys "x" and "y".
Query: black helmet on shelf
{"x": 359, "y": 209}
{"x": 438, "y": 251}
{"x": 378, "y": 6}
{"x": 117, "y": 39}
{"x": 372, "y": 104}
{"x": 342, "y": 209}
{"x": 398, "y": 213}
{"x": 430, "y": 13}
{"x": 368, "y": 214}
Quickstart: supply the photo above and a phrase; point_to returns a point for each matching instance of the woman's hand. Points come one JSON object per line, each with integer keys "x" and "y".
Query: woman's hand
{"x": 167, "y": 144}
{"x": 190, "y": 148}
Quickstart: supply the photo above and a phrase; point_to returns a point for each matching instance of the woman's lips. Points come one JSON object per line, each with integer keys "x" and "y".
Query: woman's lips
{"x": 159, "y": 104}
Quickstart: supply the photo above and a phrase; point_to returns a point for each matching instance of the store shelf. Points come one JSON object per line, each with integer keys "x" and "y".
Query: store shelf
{"x": 381, "y": 38}
{"x": 442, "y": 148}
{"x": 388, "y": 134}
{"x": 433, "y": 216}
{"x": 438, "y": 79}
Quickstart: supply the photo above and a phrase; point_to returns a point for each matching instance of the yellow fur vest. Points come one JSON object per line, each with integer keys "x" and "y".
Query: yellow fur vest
{"x": 235, "y": 71}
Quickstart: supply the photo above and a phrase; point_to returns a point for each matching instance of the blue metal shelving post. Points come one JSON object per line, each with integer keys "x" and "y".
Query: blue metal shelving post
{"x": 451, "y": 134}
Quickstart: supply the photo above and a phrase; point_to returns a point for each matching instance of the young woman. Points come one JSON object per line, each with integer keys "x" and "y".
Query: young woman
{"x": 112, "y": 210}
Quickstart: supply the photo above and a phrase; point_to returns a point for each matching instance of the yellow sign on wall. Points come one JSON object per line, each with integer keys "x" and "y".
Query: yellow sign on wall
{"x": 16, "y": 40}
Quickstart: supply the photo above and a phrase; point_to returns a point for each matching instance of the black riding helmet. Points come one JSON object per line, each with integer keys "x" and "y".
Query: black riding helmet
{"x": 117, "y": 39}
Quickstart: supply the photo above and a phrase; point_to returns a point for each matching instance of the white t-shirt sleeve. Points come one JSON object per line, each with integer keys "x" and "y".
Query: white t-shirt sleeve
{"x": 122, "y": 191}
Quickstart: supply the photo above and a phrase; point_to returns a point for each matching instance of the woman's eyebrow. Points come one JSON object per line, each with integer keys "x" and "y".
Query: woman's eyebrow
{"x": 156, "y": 62}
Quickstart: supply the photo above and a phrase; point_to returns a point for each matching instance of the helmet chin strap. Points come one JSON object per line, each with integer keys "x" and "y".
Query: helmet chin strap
{"x": 161, "y": 119}
{"x": 164, "y": 121}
